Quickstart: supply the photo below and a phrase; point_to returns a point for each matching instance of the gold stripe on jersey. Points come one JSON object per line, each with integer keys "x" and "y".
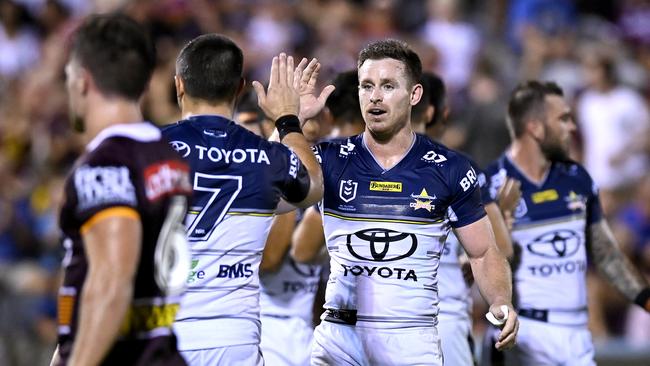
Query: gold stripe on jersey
{"x": 380, "y": 219}
{"x": 118, "y": 211}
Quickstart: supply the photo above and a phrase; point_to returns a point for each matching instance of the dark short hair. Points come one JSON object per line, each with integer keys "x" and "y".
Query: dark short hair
{"x": 343, "y": 103}
{"x": 117, "y": 52}
{"x": 211, "y": 68}
{"x": 397, "y": 50}
{"x": 433, "y": 94}
{"x": 528, "y": 100}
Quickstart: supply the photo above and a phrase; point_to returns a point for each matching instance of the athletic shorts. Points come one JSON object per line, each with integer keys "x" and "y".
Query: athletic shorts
{"x": 286, "y": 341}
{"x": 457, "y": 343}
{"x": 541, "y": 343}
{"x": 341, "y": 344}
{"x": 243, "y": 355}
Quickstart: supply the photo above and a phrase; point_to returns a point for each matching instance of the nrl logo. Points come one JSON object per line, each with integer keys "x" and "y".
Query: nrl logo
{"x": 422, "y": 200}
{"x": 348, "y": 190}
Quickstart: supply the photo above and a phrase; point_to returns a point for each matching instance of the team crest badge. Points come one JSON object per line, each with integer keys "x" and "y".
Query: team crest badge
{"x": 348, "y": 190}
{"x": 422, "y": 200}
{"x": 575, "y": 202}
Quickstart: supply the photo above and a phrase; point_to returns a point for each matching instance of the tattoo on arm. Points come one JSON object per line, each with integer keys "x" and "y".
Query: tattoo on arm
{"x": 612, "y": 263}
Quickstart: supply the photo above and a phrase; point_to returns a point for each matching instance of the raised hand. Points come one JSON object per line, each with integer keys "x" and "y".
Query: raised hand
{"x": 282, "y": 96}
{"x": 310, "y": 104}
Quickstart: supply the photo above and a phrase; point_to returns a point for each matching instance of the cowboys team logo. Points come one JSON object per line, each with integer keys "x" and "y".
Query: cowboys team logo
{"x": 422, "y": 200}
{"x": 181, "y": 147}
{"x": 348, "y": 190}
{"x": 555, "y": 244}
{"x": 576, "y": 202}
{"x": 382, "y": 245}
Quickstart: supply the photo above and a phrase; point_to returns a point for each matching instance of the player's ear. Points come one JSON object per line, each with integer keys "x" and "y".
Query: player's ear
{"x": 535, "y": 127}
{"x": 416, "y": 94}
{"x": 83, "y": 82}
{"x": 240, "y": 87}
{"x": 180, "y": 89}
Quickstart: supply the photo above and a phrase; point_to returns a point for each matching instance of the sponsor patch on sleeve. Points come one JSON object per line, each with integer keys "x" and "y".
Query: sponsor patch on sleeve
{"x": 104, "y": 185}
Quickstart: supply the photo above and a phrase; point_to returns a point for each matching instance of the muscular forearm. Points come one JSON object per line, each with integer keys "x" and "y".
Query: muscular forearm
{"x": 612, "y": 263}
{"x": 301, "y": 147}
{"x": 493, "y": 276}
{"x": 103, "y": 308}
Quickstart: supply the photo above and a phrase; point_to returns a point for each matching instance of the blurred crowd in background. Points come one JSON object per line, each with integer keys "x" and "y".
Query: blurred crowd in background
{"x": 598, "y": 51}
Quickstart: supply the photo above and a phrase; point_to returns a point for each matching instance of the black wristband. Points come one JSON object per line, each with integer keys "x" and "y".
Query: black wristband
{"x": 643, "y": 299}
{"x": 288, "y": 124}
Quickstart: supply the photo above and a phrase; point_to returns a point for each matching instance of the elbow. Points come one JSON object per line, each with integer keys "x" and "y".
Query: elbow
{"x": 270, "y": 264}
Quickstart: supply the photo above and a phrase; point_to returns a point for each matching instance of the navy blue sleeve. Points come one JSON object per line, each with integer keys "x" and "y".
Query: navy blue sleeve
{"x": 466, "y": 206}
{"x": 486, "y": 198}
{"x": 290, "y": 175}
{"x": 594, "y": 211}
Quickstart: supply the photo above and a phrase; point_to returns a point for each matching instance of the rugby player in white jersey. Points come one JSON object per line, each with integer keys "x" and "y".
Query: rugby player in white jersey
{"x": 238, "y": 180}
{"x": 454, "y": 274}
{"x": 558, "y": 228}
{"x": 391, "y": 197}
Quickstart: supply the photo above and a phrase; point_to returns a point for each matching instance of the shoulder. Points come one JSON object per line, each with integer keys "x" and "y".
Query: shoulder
{"x": 441, "y": 156}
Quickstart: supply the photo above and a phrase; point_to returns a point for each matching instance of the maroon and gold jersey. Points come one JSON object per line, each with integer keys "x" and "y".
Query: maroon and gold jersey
{"x": 129, "y": 170}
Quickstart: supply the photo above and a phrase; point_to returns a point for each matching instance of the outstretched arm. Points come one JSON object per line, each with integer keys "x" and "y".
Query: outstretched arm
{"x": 308, "y": 238}
{"x": 278, "y": 241}
{"x": 492, "y": 274}
{"x": 615, "y": 266}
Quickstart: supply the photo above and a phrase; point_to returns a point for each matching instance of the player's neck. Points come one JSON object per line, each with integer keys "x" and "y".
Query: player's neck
{"x": 104, "y": 112}
{"x": 391, "y": 151}
{"x": 530, "y": 160}
{"x": 195, "y": 108}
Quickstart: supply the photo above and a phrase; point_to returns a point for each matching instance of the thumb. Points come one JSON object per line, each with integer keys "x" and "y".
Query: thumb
{"x": 327, "y": 91}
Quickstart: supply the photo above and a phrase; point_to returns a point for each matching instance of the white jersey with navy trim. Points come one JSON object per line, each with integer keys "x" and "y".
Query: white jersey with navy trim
{"x": 549, "y": 236}
{"x": 238, "y": 179}
{"x": 385, "y": 229}
{"x": 290, "y": 292}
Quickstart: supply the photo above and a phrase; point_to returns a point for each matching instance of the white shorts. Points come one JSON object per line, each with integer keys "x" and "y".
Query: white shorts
{"x": 457, "y": 344}
{"x": 244, "y": 355}
{"x": 340, "y": 344}
{"x": 541, "y": 343}
{"x": 286, "y": 341}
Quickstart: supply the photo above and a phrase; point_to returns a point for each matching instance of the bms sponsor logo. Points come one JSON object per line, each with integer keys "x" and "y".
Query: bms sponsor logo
{"x": 381, "y": 245}
{"x": 346, "y": 149}
{"x": 555, "y": 244}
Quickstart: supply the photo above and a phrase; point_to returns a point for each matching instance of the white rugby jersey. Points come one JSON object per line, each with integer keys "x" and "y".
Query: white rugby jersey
{"x": 290, "y": 292}
{"x": 385, "y": 229}
{"x": 549, "y": 236}
{"x": 238, "y": 179}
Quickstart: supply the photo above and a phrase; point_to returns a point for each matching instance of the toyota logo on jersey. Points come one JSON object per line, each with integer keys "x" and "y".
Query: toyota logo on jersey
{"x": 382, "y": 245}
{"x": 555, "y": 244}
{"x": 181, "y": 147}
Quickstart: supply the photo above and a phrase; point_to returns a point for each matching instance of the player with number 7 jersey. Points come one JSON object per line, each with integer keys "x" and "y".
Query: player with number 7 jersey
{"x": 238, "y": 179}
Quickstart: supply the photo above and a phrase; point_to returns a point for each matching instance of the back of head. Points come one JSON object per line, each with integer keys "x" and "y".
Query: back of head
{"x": 343, "y": 103}
{"x": 117, "y": 52}
{"x": 397, "y": 50}
{"x": 527, "y": 101}
{"x": 433, "y": 94}
{"x": 210, "y": 67}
